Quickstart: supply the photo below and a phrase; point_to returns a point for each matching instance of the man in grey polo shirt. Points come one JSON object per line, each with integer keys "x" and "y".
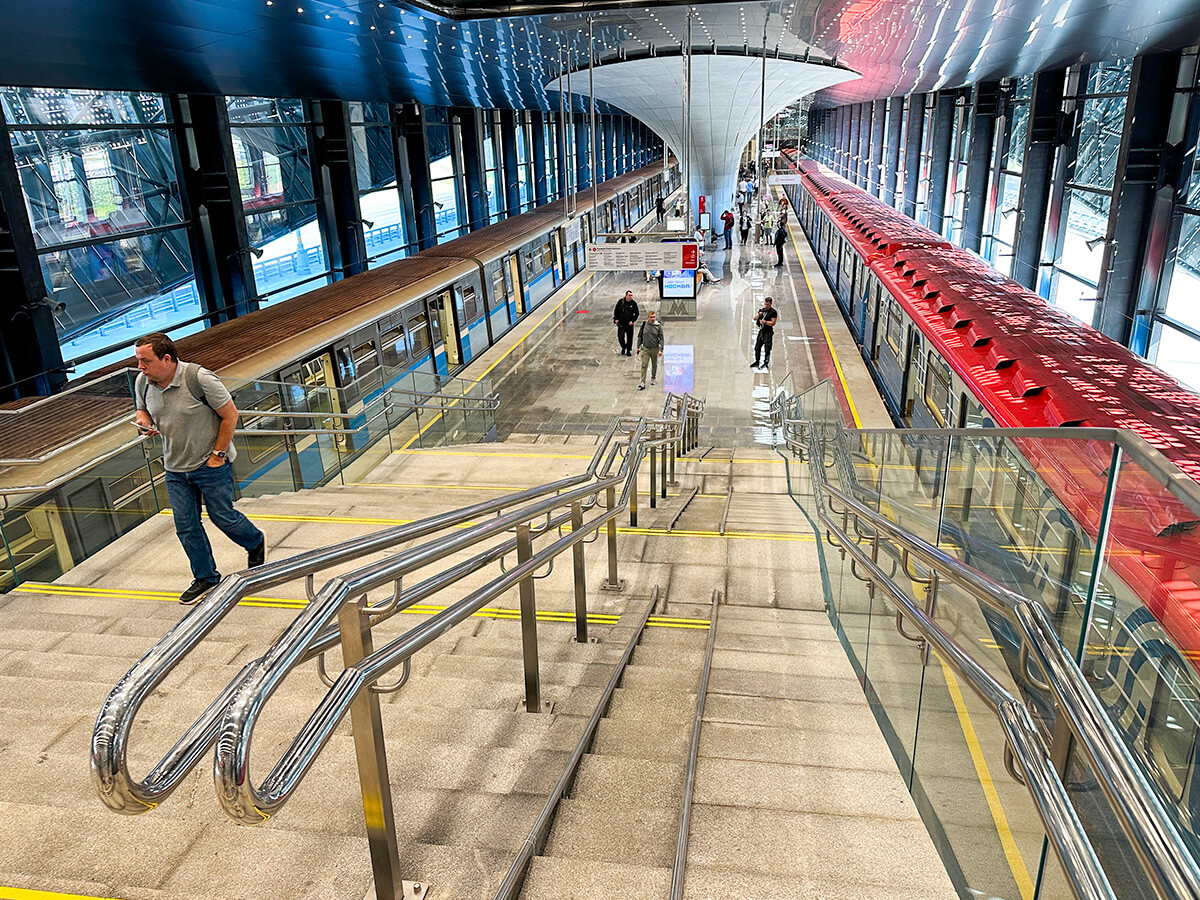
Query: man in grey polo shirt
{"x": 195, "y": 414}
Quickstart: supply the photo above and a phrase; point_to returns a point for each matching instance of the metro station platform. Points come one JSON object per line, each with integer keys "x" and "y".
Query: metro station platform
{"x": 796, "y": 793}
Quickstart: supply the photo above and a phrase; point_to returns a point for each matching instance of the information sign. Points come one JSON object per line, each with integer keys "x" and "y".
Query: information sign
{"x": 786, "y": 179}
{"x": 572, "y": 232}
{"x": 642, "y": 257}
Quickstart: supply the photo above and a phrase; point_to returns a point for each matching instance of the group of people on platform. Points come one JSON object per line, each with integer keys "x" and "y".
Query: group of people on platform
{"x": 651, "y": 340}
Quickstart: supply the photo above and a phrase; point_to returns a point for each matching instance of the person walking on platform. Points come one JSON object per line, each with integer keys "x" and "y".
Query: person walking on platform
{"x": 650, "y": 347}
{"x": 780, "y": 240}
{"x": 660, "y": 209}
{"x": 624, "y": 315}
{"x": 765, "y": 319}
{"x": 745, "y": 225}
{"x": 195, "y": 414}
{"x": 727, "y": 221}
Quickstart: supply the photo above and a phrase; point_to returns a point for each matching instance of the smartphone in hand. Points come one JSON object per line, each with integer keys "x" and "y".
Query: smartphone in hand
{"x": 144, "y": 429}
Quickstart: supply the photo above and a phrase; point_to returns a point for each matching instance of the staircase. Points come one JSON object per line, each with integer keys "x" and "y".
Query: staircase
{"x": 469, "y": 771}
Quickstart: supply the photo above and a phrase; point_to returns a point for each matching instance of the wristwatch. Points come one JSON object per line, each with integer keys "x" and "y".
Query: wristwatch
{"x": 219, "y": 454}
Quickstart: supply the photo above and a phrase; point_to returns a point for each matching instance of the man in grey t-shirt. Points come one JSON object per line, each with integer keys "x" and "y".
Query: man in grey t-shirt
{"x": 196, "y": 416}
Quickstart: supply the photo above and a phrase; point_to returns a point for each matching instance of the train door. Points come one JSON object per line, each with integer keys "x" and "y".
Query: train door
{"x": 312, "y": 389}
{"x": 911, "y": 380}
{"x": 420, "y": 339}
{"x": 357, "y": 366}
{"x": 443, "y": 325}
{"x": 498, "y": 307}
{"x": 515, "y": 289}
{"x": 557, "y": 248}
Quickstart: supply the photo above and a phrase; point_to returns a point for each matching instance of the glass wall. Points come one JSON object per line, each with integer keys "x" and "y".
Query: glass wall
{"x": 956, "y": 184}
{"x": 1075, "y": 273}
{"x": 98, "y": 173}
{"x": 445, "y": 173}
{"x": 550, "y": 135}
{"x": 381, "y": 212}
{"x": 1011, "y": 132}
{"x": 524, "y": 138}
{"x": 271, "y": 150}
{"x": 493, "y": 166}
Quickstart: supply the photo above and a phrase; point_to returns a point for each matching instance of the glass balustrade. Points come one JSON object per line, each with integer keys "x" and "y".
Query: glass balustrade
{"x": 67, "y": 496}
{"x": 1096, "y": 528}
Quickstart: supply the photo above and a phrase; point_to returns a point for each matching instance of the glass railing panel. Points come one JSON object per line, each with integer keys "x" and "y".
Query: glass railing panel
{"x": 1143, "y": 634}
{"x": 47, "y": 534}
{"x": 985, "y": 824}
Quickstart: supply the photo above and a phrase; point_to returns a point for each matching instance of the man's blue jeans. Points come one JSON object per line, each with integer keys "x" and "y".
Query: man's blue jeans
{"x": 215, "y": 486}
{"x": 728, "y": 238}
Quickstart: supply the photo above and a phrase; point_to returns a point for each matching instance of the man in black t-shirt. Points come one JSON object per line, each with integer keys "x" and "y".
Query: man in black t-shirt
{"x": 624, "y": 315}
{"x": 765, "y": 319}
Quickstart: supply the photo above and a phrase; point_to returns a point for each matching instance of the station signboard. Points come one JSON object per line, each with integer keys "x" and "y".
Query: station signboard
{"x": 616, "y": 257}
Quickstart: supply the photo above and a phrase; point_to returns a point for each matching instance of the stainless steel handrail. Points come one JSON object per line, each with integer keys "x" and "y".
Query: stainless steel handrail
{"x": 236, "y": 791}
{"x": 1167, "y": 860}
{"x": 536, "y": 840}
{"x": 689, "y": 782}
{"x": 1066, "y": 832}
{"x": 75, "y": 470}
{"x": 118, "y": 789}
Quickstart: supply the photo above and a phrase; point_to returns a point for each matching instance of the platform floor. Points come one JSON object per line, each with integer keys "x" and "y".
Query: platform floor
{"x": 568, "y": 377}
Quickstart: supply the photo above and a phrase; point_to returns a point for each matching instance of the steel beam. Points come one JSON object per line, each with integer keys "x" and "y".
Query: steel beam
{"x": 912, "y": 152}
{"x": 1042, "y": 141}
{"x": 471, "y": 128}
{"x": 891, "y": 161}
{"x": 945, "y": 110}
{"x": 875, "y": 157}
{"x": 338, "y": 213}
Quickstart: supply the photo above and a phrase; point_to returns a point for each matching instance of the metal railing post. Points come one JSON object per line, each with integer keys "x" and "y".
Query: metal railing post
{"x": 663, "y": 473}
{"x": 367, "y": 726}
{"x": 633, "y": 499}
{"x": 653, "y": 478}
{"x": 581, "y": 634}
{"x": 529, "y": 648}
{"x": 672, "y": 448}
{"x": 612, "y": 584}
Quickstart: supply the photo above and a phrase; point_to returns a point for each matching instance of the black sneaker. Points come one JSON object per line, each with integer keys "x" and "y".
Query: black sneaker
{"x": 196, "y": 591}
{"x": 257, "y": 556}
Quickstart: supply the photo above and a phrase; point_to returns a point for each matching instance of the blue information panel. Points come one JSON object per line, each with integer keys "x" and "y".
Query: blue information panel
{"x": 678, "y": 368}
{"x": 678, "y": 285}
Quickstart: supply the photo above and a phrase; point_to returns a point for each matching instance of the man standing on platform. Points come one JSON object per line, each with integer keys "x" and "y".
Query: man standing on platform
{"x": 195, "y": 414}
{"x": 765, "y": 319}
{"x": 625, "y": 314}
{"x": 650, "y": 345}
{"x": 727, "y": 220}
{"x": 780, "y": 239}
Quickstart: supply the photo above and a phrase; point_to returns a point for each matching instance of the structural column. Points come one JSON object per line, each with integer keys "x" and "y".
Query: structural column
{"x": 979, "y": 162}
{"x": 30, "y": 355}
{"x": 541, "y": 189}
{"x": 891, "y": 165}
{"x": 1148, "y": 170}
{"x": 411, "y": 119}
{"x": 470, "y": 128}
{"x": 337, "y": 198}
{"x": 218, "y": 239}
{"x": 912, "y": 152}
{"x": 1045, "y": 114}
{"x": 508, "y": 142}
{"x": 939, "y": 163}
{"x": 875, "y": 169}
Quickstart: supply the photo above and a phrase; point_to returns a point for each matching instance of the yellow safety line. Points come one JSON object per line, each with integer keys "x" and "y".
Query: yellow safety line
{"x": 435, "y": 451}
{"x": 493, "y": 487}
{"x": 419, "y": 609}
{"x": 504, "y": 356}
{"x": 1009, "y": 844}
{"x": 828, "y": 340}
{"x": 12, "y": 893}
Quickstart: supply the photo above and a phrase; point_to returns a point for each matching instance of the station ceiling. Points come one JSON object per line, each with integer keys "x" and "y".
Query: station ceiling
{"x": 459, "y": 53}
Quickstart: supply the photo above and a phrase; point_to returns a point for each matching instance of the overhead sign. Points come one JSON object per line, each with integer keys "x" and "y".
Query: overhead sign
{"x": 642, "y": 257}
{"x": 786, "y": 179}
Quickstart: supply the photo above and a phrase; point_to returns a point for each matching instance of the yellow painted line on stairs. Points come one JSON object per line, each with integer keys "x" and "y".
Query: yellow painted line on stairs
{"x": 12, "y": 893}
{"x": 1008, "y": 843}
{"x": 495, "y": 487}
{"x": 504, "y": 355}
{"x": 418, "y": 609}
{"x": 436, "y": 451}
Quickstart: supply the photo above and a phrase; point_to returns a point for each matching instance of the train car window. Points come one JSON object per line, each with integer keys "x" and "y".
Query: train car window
{"x": 937, "y": 387}
{"x": 499, "y": 286}
{"x": 1172, "y": 730}
{"x": 418, "y": 331}
{"x": 470, "y": 304}
{"x": 895, "y": 326}
{"x": 392, "y": 346}
{"x": 547, "y": 255}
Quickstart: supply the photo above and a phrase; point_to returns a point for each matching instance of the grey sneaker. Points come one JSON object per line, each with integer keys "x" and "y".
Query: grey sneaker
{"x": 196, "y": 591}
{"x": 641, "y": 385}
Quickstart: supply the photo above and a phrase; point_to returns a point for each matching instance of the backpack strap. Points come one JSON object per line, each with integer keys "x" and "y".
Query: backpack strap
{"x": 139, "y": 390}
{"x": 191, "y": 377}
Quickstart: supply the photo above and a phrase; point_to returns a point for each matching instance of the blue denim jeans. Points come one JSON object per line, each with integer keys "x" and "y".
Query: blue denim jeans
{"x": 215, "y": 486}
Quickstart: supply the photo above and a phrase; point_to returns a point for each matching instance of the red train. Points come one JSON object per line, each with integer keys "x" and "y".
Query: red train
{"x": 953, "y": 343}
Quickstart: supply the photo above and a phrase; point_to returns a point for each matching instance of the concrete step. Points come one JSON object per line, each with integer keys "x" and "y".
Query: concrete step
{"x": 640, "y": 704}
{"x": 629, "y": 781}
{"x": 643, "y": 738}
{"x": 677, "y": 658}
{"x": 553, "y": 878}
{"x": 661, "y": 679}
{"x": 600, "y": 831}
